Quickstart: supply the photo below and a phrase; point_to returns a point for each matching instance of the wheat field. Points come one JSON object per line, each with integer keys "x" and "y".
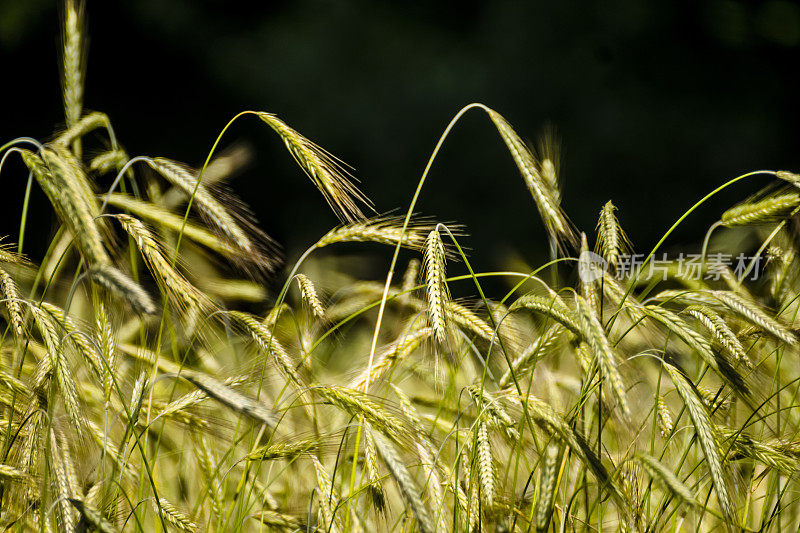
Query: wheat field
{"x": 165, "y": 368}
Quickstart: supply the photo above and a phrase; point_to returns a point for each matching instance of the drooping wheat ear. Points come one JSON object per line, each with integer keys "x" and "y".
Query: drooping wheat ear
{"x": 309, "y": 294}
{"x": 174, "y": 516}
{"x": 753, "y": 313}
{"x": 779, "y": 455}
{"x": 231, "y": 398}
{"x": 373, "y": 474}
{"x": 552, "y": 423}
{"x": 93, "y": 517}
{"x": 66, "y": 194}
{"x": 122, "y": 286}
{"x": 280, "y": 521}
{"x": 714, "y": 400}
{"x": 108, "y": 161}
{"x": 408, "y": 489}
{"x": 592, "y": 330}
{"x": 548, "y": 478}
{"x": 667, "y": 479}
{"x": 706, "y": 435}
{"x": 79, "y": 338}
{"x": 543, "y": 195}
{"x": 185, "y": 178}
{"x": 611, "y": 240}
{"x": 699, "y": 344}
{"x": 73, "y": 61}
{"x": 268, "y": 344}
{"x": 530, "y": 354}
{"x": 357, "y": 403}
{"x": 458, "y": 314}
{"x": 395, "y": 352}
{"x": 57, "y": 356}
{"x": 328, "y": 173}
{"x": 768, "y": 209}
{"x": 328, "y": 498}
{"x": 437, "y": 294}
{"x": 485, "y": 464}
{"x": 553, "y": 308}
{"x": 87, "y": 123}
{"x": 10, "y": 293}
{"x": 208, "y": 466}
{"x": 665, "y": 424}
{"x": 721, "y": 332}
{"x": 177, "y": 286}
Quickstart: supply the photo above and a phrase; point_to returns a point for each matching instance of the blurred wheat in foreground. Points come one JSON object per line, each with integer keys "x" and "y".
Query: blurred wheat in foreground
{"x": 151, "y": 381}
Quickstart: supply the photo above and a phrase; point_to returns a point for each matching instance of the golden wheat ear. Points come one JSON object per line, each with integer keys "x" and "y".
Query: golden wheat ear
{"x": 329, "y": 174}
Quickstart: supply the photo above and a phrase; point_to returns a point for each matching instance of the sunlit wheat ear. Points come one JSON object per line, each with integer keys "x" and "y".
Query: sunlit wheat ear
{"x": 177, "y": 286}
{"x": 54, "y": 177}
{"x": 327, "y": 173}
{"x": 268, "y": 344}
{"x": 122, "y": 287}
{"x": 548, "y": 478}
{"x": 407, "y": 487}
{"x": 546, "y": 200}
{"x": 552, "y": 308}
{"x": 699, "y": 344}
{"x": 665, "y": 424}
{"x": 58, "y": 362}
{"x": 485, "y": 464}
{"x": 592, "y": 331}
{"x": 10, "y": 293}
{"x": 381, "y": 229}
{"x": 185, "y": 179}
{"x": 667, "y": 479}
{"x": 357, "y": 403}
{"x": 611, "y": 240}
{"x": 230, "y": 398}
{"x": 753, "y": 313}
{"x": 437, "y": 294}
{"x": 706, "y": 436}
{"x": 309, "y": 295}
{"x": 722, "y": 333}
{"x": 73, "y": 58}
{"x": 174, "y": 516}
{"x": 768, "y": 209}
{"x": 328, "y": 498}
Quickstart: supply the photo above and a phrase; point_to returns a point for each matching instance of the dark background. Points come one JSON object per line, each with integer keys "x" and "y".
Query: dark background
{"x": 656, "y": 103}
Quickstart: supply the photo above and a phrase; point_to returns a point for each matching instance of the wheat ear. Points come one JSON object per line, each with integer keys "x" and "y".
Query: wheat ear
{"x": 706, "y": 435}
{"x": 548, "y": 482}
{"x": 762, "y": 211}
{"x": 327, "y": 173}
{"x": 437, "y": 294}
{"x": 611, "y": 240}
